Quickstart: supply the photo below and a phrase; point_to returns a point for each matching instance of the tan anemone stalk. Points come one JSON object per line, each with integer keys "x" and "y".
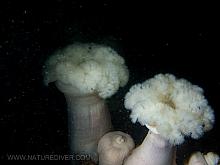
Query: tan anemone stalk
{"x": 171, "y": 108}
{"x": 86, "y": 74}
{"x": 114, "y": 147}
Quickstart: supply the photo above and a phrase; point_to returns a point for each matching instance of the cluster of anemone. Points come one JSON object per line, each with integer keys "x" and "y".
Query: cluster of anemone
{"x": 170, "y": 108}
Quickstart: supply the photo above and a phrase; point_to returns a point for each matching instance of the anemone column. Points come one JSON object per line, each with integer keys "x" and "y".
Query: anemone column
{"x": 154, "y": 150}
{"x": 88, "y": 121}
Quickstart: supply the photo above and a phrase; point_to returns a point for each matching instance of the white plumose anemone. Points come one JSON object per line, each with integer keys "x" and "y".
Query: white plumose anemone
{"x": 172, "y": 107}
{"x": 86, "y": 74}
{"x": 83, "y": 69}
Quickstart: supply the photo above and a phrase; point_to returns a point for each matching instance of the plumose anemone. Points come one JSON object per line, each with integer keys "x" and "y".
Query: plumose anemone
{"x": 172, "y": 109}
{"x": 86, "y": 74}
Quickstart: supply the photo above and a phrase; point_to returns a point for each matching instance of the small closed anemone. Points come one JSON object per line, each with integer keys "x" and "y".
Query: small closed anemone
{"x": 172, "y": 109}
{"x": 114, "y": 147}
{"x": 198, "y": 158}
{"x": 86, "y": 74}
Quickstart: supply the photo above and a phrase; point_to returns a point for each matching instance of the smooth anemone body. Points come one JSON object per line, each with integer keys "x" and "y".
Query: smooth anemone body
{"x": 88, "y": 120}
{"x": 154, "y": 150}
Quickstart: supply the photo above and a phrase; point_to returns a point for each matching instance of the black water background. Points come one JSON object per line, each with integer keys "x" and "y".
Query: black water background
{"x": 152, "y": 40}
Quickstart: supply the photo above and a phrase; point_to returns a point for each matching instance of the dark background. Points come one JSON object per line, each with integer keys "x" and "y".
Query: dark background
{"x": 182, "y": 39}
